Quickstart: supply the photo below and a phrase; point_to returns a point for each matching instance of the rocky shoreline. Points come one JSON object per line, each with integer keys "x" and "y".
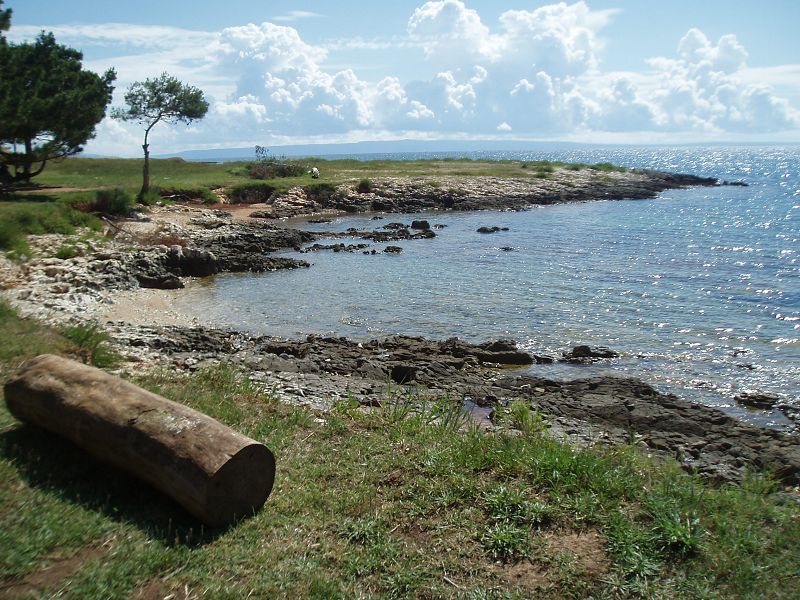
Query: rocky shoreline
{"x": 170, "y": 244}
{"x": 470, "y": 192}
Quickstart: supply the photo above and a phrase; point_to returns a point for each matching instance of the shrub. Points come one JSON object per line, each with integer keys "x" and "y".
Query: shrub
{"x": 364, "y": 186}
{"x": 202, "y": 194}
{"x": 113, "y": 202}
{"x": 150, "y": 197}
{"x": 267, "y": 166}
{"x": 37, "y": 220}
{"x": 320, "y": 192}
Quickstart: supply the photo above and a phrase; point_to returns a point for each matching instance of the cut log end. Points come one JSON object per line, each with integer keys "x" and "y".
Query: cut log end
{"x": 241, "y": 486}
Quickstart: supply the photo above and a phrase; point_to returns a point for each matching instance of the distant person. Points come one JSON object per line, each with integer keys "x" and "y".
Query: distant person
{"x": 314, "y": 173}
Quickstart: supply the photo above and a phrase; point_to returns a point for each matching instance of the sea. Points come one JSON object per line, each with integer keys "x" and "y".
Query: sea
{"x": 697, "y": 289}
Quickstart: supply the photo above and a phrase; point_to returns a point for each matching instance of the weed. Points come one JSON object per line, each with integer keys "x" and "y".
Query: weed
{"x": 363, "y": 530}
{"x": 150, "y": 198}
{"x": 526, "y": 420}
{"x": 506, "y": 541}
{"x": 92, "y": 344}
{"x": 507, "y": 505}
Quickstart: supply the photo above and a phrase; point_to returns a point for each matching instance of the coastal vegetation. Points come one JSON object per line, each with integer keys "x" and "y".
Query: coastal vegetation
{"x": 162, "y": 99}
{"x": 109, "y": 186}
{"x": 49, "y": 106}
{"x": 406, "y": 499}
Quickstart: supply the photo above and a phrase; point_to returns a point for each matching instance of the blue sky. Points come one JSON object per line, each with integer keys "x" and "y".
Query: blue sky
{"x": 311, "y": 71}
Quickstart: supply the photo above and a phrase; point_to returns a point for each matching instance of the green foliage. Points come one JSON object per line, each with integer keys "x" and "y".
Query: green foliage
{"x": 92, "y": 344}
{"x": 67, "y": 251}
{"x": 150, "y": 198}
{"x": 5, "y": 20}
{"x": 506, "y": 541}
{"x": 364, "y": 186}
{"x": 508, "y": 505}
{"x": 526, "y": 420}
{"x": 607, "y": 167}
{"x": 267, "y": 166}
{"x": 161, "y": 99}
{"x": 115, "y": 202}
{"x": 49, "y": 105}
{"x": 20, "y": 220}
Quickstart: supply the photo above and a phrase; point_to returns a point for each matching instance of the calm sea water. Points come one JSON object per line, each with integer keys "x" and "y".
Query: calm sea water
{"x": 699, "y": 289}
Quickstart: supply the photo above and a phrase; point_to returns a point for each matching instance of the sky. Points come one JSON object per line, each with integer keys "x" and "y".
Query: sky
{"x": 313, "y": 71}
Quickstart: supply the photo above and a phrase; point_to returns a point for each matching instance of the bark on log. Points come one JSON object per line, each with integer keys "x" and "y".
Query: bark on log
{"x": 217, "y": 474}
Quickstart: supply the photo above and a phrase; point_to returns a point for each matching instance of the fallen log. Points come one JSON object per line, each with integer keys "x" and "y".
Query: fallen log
{"x": 217, "y": 474}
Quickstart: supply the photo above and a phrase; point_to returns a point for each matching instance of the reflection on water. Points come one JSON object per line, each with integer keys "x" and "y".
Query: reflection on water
{"x": 698, "y": 288}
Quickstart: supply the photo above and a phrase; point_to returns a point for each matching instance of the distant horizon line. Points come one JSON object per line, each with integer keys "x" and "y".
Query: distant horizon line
{"x": 424, "y": 146}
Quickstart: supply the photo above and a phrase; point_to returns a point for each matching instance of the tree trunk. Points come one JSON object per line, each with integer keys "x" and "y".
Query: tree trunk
{"x": 145, "y": 170}
{"x": 217, "y": 474}
{"x": 27, "y": 162}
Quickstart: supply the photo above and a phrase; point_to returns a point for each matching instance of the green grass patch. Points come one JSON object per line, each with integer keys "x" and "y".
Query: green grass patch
{"x": 20, "y": 219}
{"x": 407, "y": 499}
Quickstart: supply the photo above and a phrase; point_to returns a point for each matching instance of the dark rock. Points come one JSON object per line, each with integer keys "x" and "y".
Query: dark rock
{"x": 420, "y": 224}
{"x": 321, "y": 220}
{"x": 596, "y": 410}
{"x": 439, "y": 226}
{"x": 394, "y": 226}
{"x": 393, "y": 249}
{"x": 760, "y": 400}
{"x": 588, "y": 353}
{"x": 493, "y": 229}
{"x": 262, "y": 214}
{"x": 191, "y": 262}
{"x": 402, "y": 373}
{"x": 163, "y": 281}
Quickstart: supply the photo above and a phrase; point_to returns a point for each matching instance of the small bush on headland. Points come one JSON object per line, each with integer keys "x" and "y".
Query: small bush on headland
{"x": 267, "y": 166}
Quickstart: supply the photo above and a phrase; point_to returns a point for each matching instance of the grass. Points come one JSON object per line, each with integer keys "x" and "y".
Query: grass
{"x": 108, "y": 186}
{"x": 404, "y": 500}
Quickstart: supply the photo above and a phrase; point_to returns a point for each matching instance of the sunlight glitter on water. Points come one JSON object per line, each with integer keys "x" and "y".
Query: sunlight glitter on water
{"x": 699, "y": 288}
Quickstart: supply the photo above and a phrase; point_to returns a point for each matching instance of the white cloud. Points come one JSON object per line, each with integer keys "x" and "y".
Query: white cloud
{"x": 536, "y": 73}
{"x": 296, "y": 15}
{"x": 700, "y": 91}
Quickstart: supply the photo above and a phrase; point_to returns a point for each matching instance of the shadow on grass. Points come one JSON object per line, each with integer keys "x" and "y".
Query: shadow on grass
{"x": 56, "y": 466}
{"x": 13, "y": 196}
